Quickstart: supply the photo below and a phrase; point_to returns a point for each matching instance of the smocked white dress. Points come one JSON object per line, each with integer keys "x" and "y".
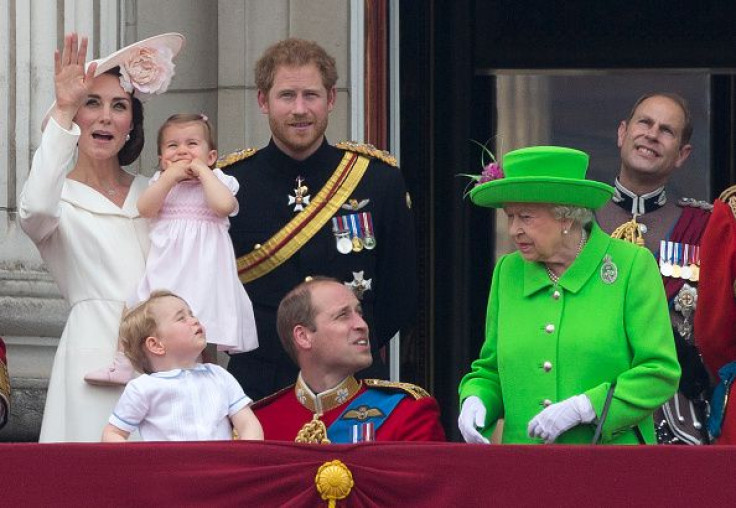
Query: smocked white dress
{"x": 96, "y": 253}
{"x": 192, "y": 255}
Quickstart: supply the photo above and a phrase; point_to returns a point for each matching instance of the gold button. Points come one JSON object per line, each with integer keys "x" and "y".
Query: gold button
{"x": 556, "y": 295}
{"x": 547, "y": 366}
{"x": 546, "y": 402}
{"x": 257, "y": 246}
{"x": 550, "y": 328}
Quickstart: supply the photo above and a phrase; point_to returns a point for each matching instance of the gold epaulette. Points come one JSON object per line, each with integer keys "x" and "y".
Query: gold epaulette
{"x": 369, "y": 151}
{"x": 232, "y": 158}
{"x": 415, "y": 391}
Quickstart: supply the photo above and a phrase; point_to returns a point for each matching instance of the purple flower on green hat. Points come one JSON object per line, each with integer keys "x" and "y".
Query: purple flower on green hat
{"x": 491, "y": 169}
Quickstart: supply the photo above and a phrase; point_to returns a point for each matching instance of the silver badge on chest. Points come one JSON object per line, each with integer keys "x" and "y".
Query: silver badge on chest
{"x": 609, "y": 270}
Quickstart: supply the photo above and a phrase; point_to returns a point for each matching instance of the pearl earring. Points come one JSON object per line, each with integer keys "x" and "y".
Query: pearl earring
{"x": 127, "y": 137}
{"x": 565, "y": 231}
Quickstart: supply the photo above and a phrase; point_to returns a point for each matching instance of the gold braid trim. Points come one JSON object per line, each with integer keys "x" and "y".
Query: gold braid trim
{"x": 728, "y": 196}
{"x": 630, "y": 232}
{"x": 369, "y": 151}
{"x": 313, "y": 432}
{"x": 728, "y": 193}
{"x": 415, "y": 391}
{"x": 232, "y": 158}
{"x": 289, "y": 239}
{"x": 732, "y": 204}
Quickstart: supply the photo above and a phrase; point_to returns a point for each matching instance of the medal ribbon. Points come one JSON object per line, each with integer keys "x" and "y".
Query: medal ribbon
{"x": 688, "y": 229}
{"x": 284, "y": 244}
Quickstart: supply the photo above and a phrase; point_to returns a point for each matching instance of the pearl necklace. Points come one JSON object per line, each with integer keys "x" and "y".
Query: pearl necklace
{"x": 552, "y": 275}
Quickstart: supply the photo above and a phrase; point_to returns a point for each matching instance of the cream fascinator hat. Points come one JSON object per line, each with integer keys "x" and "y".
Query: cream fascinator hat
{"x": 146, "y": 67}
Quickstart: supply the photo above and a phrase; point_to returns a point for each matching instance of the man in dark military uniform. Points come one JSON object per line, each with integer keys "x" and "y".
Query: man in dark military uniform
{"x": 310, "y": 208}
{"x": 654, "y": 142}
{"x": 321, "y": 326}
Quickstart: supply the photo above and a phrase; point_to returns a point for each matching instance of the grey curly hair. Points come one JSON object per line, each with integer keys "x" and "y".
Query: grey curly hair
{"x": 582, "y": 216}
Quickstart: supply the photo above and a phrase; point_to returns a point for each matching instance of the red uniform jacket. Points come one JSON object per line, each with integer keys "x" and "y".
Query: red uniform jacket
{"x": 413, "y": 419}
{"x": 715, "y": 320}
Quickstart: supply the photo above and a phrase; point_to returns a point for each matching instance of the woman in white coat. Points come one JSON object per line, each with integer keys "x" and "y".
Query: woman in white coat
{"x": 79, "y": 208}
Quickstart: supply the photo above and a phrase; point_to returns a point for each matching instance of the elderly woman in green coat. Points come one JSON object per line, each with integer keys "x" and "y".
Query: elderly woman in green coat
{"x": 571, "y": 314}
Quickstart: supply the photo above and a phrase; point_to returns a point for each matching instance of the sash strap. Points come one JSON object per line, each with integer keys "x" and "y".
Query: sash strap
{"x": 294, "y": 235}
{"x": 370, "y": 406}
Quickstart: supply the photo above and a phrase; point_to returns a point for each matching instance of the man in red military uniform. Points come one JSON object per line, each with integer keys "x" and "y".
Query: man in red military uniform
{"x": 321, "y": 326}
{"x": 715, "y": 321}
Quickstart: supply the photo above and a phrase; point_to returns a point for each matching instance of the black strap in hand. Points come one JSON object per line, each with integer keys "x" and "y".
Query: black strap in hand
{"x": 604, "y": 414}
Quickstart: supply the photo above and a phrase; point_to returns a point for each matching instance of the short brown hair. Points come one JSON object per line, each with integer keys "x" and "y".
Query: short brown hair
{"x": 296, "y": 309}
{"x": 687, "y": 128}
{"x": 294, "y": 52}
{"x": 137, "y": 325}
{"x": 182, "y": 118}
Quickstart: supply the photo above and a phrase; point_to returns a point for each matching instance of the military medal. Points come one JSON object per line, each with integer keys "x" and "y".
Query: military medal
{"x": 676, "y": 268}
{"x": 300, "y": 198}
{"x": 344, "y": 245}
{"x": 685, "y": 303}
{"x": 695, "y": 277}
{"x": 693, "y": 264}
{"x": 662, "y": 254}
{"x": 665, "y": 268}
{"x": 364, "y": 432}
{"x": 369, "y": 238}
{"x": 355, "y": 230}
{"x": 609, "y": 270}
{"x": 342, "y": 237}
{"x": 359, "y": 285}
{"x": 686, "y": 272}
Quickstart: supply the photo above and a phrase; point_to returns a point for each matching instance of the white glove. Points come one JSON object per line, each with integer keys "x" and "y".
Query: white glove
{"x": 558, "y": 418}
{"x": 472, "y": 417}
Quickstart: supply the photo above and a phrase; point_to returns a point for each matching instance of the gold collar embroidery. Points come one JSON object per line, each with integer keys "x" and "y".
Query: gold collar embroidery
{"x": 329, "y": 399}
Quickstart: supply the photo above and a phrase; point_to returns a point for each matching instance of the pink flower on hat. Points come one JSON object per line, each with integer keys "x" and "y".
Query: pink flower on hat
{"x": 148, "y": 70}
{"x": 491, "y": 171}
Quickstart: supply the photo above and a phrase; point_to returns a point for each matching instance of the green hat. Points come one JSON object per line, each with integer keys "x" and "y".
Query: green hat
{"x": 543, "y": 174}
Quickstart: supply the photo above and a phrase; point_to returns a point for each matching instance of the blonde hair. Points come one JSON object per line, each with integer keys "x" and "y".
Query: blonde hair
{"x": 137, "y": 325}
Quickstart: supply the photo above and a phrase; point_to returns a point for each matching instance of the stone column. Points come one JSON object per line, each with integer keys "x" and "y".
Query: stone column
{"x": 214, "y": 75}
{"x": 32, "y": 312}
{"x": 523, "y": 120}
